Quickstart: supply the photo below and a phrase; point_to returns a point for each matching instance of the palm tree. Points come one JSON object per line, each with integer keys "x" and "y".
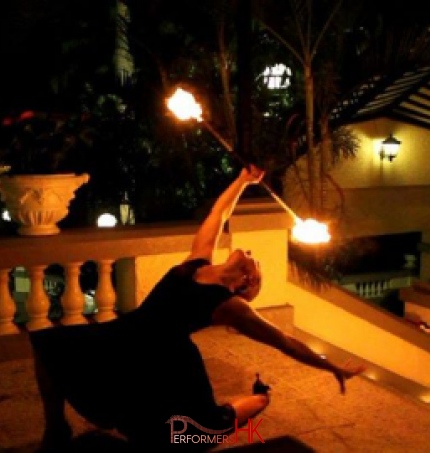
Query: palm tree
{"x": 305, "y": 29}
{"x": 338, "y": 45}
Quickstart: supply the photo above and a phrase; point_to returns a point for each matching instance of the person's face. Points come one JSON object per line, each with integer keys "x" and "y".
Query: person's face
{"x": 251, "y": 274}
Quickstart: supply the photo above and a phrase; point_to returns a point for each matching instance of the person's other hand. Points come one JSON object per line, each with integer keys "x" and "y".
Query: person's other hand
{"x": 345, "y": 372}
{"x": 252, "y": 174}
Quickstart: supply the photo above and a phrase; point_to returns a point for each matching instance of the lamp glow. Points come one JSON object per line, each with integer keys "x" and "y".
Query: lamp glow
{"x": 106, "y": 220}
{"x": 5, "y": 215}
{"x": 371, "y": 375}
{"x": 425, "y": 398}
{"x": 277, "y": 76}
{"x": 389, "y": 148}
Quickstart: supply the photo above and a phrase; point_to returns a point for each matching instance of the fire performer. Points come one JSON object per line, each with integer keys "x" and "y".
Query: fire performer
{"x": 135, "y": 373}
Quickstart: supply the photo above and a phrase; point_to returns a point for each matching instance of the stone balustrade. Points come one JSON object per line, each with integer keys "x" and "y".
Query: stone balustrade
{"x": 139, "y": 255}
{"x": 376, "y": 285}
{"x": 70, "y": 249}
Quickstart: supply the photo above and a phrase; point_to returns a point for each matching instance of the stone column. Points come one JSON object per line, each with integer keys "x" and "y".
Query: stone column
{"x": 262, "y": 226}
{"x": 73, "y": 300}
{"x": 424, "y": 249}
{"x": 7, "y": 305}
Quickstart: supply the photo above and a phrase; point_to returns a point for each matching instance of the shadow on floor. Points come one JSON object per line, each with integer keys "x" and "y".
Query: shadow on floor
{"x": 90, "y": 442}
{"x": 277, "y": 445}
{"x": 95, "y": 441}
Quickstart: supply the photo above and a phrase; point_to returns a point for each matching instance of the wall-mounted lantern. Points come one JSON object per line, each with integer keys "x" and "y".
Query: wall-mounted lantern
{"x": 389, "y": 148}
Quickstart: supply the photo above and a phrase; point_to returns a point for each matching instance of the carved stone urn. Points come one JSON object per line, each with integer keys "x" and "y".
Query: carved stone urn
{"x": 38, "y": 202}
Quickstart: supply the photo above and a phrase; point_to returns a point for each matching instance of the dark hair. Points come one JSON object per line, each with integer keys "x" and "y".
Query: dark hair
{"x": 242, "y": 288}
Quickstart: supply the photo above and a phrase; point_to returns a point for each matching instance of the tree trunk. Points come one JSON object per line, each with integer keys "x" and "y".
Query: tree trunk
{"x": 325, "y": 155}
{"x": 311, "y": 166}
{"x": 244, "y": 91}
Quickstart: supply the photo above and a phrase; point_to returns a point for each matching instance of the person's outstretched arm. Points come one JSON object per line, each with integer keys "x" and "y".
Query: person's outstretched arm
{"x": 207, "y": 236}
{"x": 237, "y": 313}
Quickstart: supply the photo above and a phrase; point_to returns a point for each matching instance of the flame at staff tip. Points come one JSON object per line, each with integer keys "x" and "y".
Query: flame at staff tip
{"x": 184, "y": 106}
{"x": 310, "y": 231}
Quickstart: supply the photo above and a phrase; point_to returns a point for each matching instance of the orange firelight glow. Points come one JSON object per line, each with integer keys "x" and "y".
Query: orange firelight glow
{"x": 310, "y": 231}
{"x": 183, "y": 105}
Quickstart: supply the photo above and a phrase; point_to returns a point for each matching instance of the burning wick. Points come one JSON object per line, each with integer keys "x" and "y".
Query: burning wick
{"x": 310, "y": 231}
{"x": 184, "y": 107}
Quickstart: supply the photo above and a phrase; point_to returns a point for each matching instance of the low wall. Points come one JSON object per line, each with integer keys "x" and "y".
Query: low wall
{"x": 355, "y": 325}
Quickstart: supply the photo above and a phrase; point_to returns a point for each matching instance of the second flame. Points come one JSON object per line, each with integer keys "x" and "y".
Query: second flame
{"x": 184, "y": 106}
{"x": 310, "y": 231}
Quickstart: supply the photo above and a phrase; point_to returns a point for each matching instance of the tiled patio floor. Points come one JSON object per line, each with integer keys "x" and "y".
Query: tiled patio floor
{"x": 307, "y": 413}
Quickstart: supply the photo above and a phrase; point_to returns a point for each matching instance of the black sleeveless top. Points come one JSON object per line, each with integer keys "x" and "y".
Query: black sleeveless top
{"x": 142, "y": 362}
{"x": 179, "y": 304}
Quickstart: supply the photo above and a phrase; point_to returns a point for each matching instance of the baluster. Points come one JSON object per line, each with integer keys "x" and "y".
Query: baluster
{"x": 7, "y": 305}
{"x": 358, "y": 289}
{"x": 105, "y": 294}
{"x": 37, "y": 302}
{"x": 73, "y": 300}
{"x": 386, "y": 285}
{"x": 366, "y": 290}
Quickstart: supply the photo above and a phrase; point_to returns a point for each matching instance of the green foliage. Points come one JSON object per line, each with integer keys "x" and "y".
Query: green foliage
{"x": 44, "y": 143}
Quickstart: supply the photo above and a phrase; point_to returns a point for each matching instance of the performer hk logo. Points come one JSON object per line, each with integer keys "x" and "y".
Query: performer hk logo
{"x": 210, "y": 436}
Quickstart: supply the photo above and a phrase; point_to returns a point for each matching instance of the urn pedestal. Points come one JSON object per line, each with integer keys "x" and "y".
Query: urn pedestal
{"x": 38, "y": 202}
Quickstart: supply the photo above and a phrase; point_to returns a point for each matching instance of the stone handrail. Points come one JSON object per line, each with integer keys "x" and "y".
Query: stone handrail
{"x": 70, "y": 249}
{"x": 141, "y": 253}
{"x": 376, "y": 284}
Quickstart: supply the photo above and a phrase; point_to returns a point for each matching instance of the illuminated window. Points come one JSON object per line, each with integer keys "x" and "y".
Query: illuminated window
{"x": 277, "y": 77}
